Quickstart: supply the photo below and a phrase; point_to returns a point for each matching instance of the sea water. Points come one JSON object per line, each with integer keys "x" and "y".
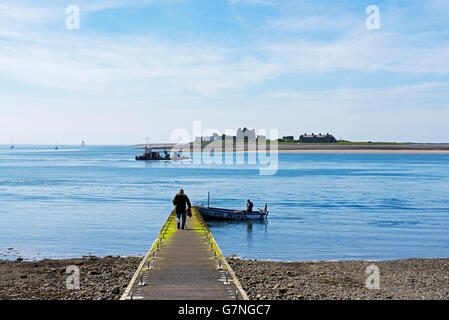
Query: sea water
{"x": 98, "y": 200}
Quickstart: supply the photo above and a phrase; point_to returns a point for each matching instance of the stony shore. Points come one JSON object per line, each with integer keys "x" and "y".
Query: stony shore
{"x": 106, "y": 278}
{"x": 399, "y": 279}
{"x": 100, "y": 278}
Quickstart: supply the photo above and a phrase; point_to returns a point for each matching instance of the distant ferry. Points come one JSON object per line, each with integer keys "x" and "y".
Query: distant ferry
{"x": 160, "y": 153}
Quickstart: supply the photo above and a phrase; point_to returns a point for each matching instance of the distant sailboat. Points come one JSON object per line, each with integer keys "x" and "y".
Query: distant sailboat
{"x": 12, "y": 144}
{"x": 83, "y": 143}
{"x": 56, "y": 145}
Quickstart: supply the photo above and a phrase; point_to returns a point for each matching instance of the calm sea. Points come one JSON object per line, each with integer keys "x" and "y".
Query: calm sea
{"x": 98, "y": 200}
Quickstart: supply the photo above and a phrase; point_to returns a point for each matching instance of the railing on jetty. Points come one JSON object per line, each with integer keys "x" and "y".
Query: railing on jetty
{"x": 184, "y": 264}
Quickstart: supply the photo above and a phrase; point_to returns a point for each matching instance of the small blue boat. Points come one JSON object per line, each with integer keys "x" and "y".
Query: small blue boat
{"x": 210, "y": 213}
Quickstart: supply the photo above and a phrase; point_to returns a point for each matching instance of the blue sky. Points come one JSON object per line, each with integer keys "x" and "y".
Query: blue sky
{"x": 144, "y": 68}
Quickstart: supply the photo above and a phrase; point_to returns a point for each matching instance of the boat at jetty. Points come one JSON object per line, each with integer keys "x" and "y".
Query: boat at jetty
{"x": 210, "y": 213}
{"x": 160, "y": 153}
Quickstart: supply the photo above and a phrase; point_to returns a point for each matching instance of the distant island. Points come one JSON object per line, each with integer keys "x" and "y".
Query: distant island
{"x": 245, "y": 135}
{"x": 308, "y": 143}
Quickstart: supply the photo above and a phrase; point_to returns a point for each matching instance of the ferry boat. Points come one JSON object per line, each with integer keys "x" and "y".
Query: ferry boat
{"x": 160, "y": 153}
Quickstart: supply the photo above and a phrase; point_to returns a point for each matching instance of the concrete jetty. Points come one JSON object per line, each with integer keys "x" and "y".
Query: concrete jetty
{"x": 184, "y": 264}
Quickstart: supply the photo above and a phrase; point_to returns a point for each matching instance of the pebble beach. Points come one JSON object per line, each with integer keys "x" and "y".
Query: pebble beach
{"x": 410, "y": 279}
{"x": 100, "y": 278}
{"x": 106, "y": 279}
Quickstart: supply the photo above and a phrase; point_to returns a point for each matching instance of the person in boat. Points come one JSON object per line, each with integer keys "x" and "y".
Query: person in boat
{"x": 249, "y": 206}
{"x": 180, "y": 201}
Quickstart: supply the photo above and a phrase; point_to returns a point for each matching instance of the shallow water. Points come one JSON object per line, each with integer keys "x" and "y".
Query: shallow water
{"x": 99, "y": 200}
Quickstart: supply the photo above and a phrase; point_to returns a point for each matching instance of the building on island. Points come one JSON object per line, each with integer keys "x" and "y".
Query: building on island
{"x": 319, "y": 138}
{"x": 245, "y": 134}
{"x": 242, "y": 134}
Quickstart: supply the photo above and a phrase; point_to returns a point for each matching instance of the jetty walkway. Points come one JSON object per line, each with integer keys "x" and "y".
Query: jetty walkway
{"x": 184, "y": 264}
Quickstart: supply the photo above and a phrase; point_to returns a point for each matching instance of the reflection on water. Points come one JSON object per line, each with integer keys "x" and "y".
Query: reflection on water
{"x": 249, "y": 230}
{"x": 217, "y": 224}
{"x": 236, "y": 224}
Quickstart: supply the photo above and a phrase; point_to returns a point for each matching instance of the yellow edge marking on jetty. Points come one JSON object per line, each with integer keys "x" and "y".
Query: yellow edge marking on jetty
{"x": 204, "y": 277}
{"x": 223, "y": 258}
{"x": 148, "y": 255}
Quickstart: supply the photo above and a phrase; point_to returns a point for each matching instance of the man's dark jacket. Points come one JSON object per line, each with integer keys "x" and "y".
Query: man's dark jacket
{"x": 180, "y": 201}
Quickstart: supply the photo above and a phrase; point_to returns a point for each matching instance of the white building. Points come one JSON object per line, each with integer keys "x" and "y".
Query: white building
{"x": 242, "y": 134}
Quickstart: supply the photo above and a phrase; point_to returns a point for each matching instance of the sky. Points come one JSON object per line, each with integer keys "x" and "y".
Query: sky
{"x": 143, "y": 68}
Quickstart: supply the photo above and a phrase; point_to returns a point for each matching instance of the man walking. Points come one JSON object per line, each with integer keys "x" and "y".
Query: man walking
{"x": 180, "y": 201}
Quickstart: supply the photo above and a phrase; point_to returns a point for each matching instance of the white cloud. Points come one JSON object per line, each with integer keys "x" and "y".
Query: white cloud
{"x": 89, "y": 64}
{"x": 66, "y": 60}
{"x": 362, "y": 50}
{"x": 255, "y": 2}
{"x": 310, "y": 23}
{"x": 18, "y": 13}
{"x": 104, "y": 76}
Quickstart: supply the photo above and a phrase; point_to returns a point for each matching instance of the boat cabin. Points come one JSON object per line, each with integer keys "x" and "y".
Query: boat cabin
{"x": 160, "y": 153}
